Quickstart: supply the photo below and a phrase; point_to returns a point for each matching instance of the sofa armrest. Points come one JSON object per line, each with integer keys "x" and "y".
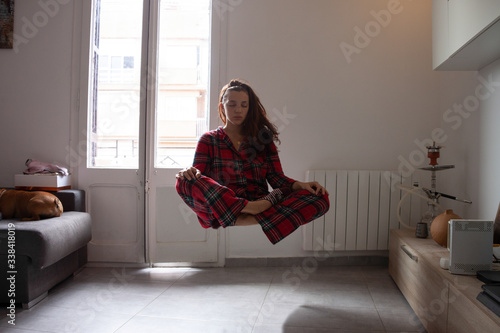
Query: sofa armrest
{"x": 72, "y": 200}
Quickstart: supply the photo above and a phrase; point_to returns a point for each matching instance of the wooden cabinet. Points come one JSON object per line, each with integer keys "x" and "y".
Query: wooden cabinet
{"x": 442, "y": 301}
{"x": 465, "y": 33}
{"x": 465, "y": 316}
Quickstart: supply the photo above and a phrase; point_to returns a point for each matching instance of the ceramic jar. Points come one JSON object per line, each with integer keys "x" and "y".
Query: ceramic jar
{"x": 439, "y": 227}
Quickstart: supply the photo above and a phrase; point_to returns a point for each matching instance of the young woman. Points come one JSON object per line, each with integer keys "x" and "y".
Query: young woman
{"x": 228, "y": 182}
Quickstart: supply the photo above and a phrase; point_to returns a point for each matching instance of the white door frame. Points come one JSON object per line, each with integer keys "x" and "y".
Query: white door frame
{"x": 147, "y": 179}
{"x": 207, "y": 247}
{"x": 114, "y": 197}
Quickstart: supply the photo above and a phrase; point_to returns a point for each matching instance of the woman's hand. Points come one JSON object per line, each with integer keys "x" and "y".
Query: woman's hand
{"x": 312, "y": 187}
{"x": 188, "y": 173}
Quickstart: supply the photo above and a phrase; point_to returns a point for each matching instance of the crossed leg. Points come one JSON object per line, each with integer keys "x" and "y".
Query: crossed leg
{"x": 217, "y": 205}
{"x": 279, "y": 213}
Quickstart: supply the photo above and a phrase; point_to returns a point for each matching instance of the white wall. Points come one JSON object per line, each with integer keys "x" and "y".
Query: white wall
{"x": 362, "y": 114}
{"x": 358, "y": 114}
{"x": 366, "y": 112}
{"x": 488, "y": 181}
{"x": 35, "y": 87}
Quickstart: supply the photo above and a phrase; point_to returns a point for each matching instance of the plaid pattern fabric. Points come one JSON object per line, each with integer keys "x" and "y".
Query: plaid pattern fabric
{"x": 232, "y": 177}
{"x": 244, "y": 171}
{"x": 214, "y": 204}
{"x": 296, "y": 209}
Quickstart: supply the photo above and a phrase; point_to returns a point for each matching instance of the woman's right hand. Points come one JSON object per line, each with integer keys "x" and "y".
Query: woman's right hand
{"x": 189, "y": 173}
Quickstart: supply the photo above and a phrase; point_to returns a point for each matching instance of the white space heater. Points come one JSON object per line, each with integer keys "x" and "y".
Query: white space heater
{"x": 471, "y": 246}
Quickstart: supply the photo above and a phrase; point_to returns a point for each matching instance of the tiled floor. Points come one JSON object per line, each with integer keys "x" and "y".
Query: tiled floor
{"x": 341, "y": 299}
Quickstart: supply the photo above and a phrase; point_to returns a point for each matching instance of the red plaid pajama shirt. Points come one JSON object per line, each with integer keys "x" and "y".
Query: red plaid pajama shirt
{"x": 230, "y": 178}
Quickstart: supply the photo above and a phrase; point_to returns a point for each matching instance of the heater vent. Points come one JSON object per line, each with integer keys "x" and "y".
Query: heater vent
{"x": 363, "y": 208}
{"x": 472, "y": 226}
{"x": 472, "y": 268}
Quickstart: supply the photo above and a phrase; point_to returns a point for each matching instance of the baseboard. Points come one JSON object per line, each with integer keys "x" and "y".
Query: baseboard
{"x": 35, "y": 301}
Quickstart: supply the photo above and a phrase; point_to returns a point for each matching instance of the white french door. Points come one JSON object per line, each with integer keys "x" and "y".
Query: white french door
{"x": 174, "y": 232}
{"x": 148, "y": 102}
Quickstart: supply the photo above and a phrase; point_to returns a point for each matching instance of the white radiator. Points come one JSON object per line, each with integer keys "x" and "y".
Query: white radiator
{"x": 363, "y": 208}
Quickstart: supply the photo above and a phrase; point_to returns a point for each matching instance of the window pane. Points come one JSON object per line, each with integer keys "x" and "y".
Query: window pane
{"x": 181, "y": 113}
{"x": 115, "y": 116}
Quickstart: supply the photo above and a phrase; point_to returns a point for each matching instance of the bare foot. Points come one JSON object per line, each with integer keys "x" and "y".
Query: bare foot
{"x": 245, "y": 220}
{"x": 256, "y": 207}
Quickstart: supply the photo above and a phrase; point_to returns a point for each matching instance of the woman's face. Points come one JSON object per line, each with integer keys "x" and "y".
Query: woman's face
{"x": 235, "y": 104}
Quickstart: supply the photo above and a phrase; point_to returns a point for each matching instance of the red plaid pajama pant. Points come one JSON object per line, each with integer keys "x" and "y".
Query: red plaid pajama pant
{"x": 217, "y": 205}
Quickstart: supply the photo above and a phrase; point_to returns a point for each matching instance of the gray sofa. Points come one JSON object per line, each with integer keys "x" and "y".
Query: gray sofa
{"x": 46, "y": 251}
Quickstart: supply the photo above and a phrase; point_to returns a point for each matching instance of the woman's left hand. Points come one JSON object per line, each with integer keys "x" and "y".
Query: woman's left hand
{"x": 312, "y": 187}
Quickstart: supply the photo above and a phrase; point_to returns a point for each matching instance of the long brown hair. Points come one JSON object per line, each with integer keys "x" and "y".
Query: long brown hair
{"x": 256, "y": 128}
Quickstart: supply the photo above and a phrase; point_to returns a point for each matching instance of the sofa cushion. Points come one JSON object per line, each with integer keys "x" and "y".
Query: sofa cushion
{"x": 47, "y": 241}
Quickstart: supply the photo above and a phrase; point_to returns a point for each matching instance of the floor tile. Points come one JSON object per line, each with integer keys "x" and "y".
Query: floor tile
{"x": 16, "y": 330}
{"x": 53, "y": 319}
{"x": 289, "y": 329}
{"x": 334, "y": 297}
{"x": 99, "y": 293}
{"x": 230, "y": 275}
{"x": 233, "y": 310}
{"x": 302, "y": 298}
{"x": 246, "y": 291}
{"x": 399, "y": 319}
{"x": 88, "y": 301}
{"x": 161, "y": 325}
{"x": 294, "y": 315}
{"x": 389, "y": 298}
